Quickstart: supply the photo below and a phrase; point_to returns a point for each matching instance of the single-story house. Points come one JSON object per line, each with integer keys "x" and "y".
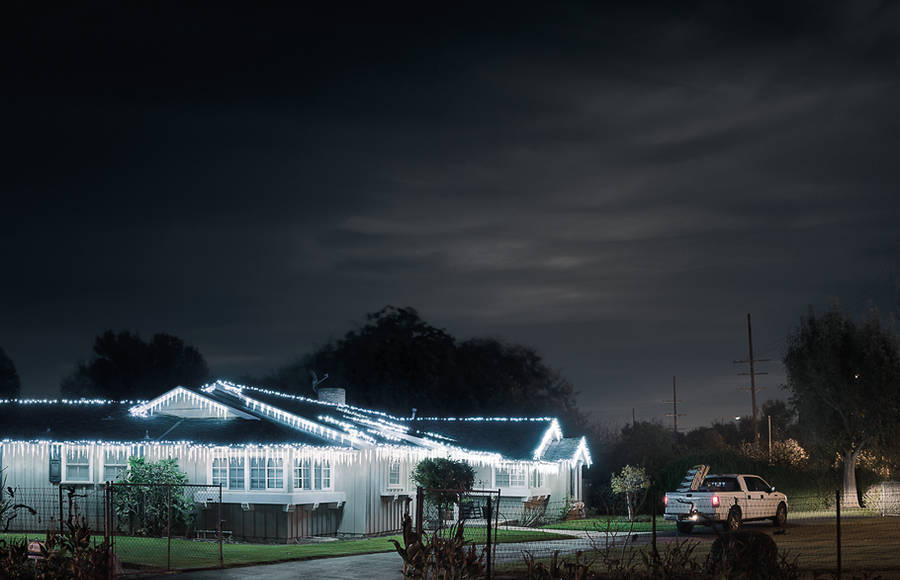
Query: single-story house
{"x": 290, "y": 466}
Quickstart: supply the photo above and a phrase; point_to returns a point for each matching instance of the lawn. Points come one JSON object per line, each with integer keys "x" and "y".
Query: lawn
{"x": 187, "y": 554}
{"x": 612, "y": 524}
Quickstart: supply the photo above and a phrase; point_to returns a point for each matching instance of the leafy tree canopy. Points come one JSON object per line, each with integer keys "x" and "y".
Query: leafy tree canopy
{"x": 144, "y": 505}
{"x": 396, "y": 361}
{"x": 126, "y": 367}
{"x": 844, "y": 380}
{"x": 443, "y": 474}
{"x": 10, "y": 387}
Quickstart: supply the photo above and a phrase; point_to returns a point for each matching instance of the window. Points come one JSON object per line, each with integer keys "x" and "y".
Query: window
{"x": 275, "y": 473}
{"x": 115, "y": 463}
{"x": 322, "y": 474}
{"x": 510, "y": 476}
{"x": 220, "y": 471}
{"x": 78, "y": 464}
{"x": 756, "y": 484}
{"x": 309, "y": 474}
{"x": 301, "y": 474}
{"x": 257, "y": 473}
{"x": 721, "y": 484}
{"x": 236, "y": 473}
{"x": 537, "y": 478}
{"x": 394, "y": 474}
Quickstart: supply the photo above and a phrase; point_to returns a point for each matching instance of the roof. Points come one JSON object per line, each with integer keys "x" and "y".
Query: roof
{"x": 112, "y": 421}
{"x": 223, "y": 413}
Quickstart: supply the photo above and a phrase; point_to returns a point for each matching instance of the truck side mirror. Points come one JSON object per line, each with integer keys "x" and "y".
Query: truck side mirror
{"x": 772, "y": 490}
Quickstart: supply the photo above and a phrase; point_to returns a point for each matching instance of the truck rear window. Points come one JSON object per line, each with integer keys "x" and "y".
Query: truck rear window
{"x": 721, "y": 484}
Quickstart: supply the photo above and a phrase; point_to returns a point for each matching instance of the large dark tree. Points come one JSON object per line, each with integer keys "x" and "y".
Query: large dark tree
{"x": 10, "y": 387}
{"x": 396, "y": 361}
{"x": 126, "y": 367}
{"x": 845, "y": 383}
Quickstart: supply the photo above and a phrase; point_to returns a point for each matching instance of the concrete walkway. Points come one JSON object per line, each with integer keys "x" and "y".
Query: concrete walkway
{"x": 364, "y": 567}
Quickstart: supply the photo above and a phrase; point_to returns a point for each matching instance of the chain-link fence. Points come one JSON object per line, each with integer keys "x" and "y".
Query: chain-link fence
{"x": 165, "y": 527}
{"x": 825, "y": 533}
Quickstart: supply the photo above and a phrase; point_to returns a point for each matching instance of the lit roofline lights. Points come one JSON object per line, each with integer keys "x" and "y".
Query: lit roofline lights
{"x": 149, "y": 407}
{"x": 553, "y": 433}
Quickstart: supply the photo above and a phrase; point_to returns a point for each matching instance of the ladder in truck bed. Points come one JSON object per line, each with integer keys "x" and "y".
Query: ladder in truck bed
{"x": 693, "y": 478}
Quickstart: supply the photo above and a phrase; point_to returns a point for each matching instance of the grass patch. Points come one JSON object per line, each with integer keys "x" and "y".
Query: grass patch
{"x": 612, "y": 524}
{"x": 185, "y": 554}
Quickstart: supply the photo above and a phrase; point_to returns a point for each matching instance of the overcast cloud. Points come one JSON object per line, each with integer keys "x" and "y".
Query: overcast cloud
{"x": 616, "y": 186}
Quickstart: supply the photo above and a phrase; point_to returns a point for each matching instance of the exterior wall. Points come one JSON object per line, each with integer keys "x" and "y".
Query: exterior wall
{"x": 361, "y": 501}
{"x": 272, "y": 523}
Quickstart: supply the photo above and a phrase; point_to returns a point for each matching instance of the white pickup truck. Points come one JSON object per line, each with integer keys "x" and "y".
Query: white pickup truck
{"x": 704, "y": 499}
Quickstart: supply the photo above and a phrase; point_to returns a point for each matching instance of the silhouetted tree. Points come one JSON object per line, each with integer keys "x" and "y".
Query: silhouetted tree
{"x": 646, "y": 444}
{"x": 845, "y": 383}
{"x": 10, "y": 386}
{"x": 396, "y": 361}
{"x": 126, "y": 367}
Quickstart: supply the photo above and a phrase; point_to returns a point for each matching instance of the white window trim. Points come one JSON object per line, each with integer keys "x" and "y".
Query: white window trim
{"x": 510, "y": 468}
{"x": 313, "y": 464}
{"x": 64, "y": 464}
{"x": 400, "y": 470}
{"x": 212, "y": 469}
{"x": 243, "y": 469}
{"x": 106, "y": 464}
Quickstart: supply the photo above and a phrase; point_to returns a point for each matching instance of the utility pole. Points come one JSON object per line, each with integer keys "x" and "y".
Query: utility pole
{"x": 674, "y": 414}
{"x": 632, "y": 417}
{"x": 753, "y": 372}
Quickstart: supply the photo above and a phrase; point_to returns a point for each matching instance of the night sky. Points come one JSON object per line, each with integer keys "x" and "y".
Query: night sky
{"x": 617, "y": 185}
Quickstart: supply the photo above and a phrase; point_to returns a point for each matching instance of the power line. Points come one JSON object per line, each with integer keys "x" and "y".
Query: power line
{"x": 752, "y": 374}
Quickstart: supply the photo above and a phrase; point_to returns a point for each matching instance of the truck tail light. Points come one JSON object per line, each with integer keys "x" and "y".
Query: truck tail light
{"x": 666, "y": 500}
{"x": 715, "y": 501}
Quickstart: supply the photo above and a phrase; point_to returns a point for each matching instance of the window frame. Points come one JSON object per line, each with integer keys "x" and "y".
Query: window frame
{"x": 313, "y": 474}
{"x": 119, "y": 467}
{"x": 399, "y": 473}
{"x": 67, "y": 463}
{"x": 237, "y": 465}
{"x": 521, "y": 476}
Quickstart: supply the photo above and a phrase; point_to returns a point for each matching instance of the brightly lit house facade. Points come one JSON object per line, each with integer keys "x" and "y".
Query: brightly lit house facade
{"x": 290, "y": 467}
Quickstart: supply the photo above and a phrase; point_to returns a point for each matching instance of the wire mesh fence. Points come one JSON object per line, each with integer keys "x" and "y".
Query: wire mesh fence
{"x": 824, "y": 533}
{"x": 160, "y": 527}
{"x": 165, "y": 527}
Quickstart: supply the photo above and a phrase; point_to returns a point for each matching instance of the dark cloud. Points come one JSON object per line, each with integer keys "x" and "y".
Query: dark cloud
{"x": 615, "y": 184}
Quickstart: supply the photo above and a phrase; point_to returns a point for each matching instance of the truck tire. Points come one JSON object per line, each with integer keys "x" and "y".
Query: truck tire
{"x": 684, "y": 527}
{"x": 780, "y": 515}
{"x": 733, "y": 522}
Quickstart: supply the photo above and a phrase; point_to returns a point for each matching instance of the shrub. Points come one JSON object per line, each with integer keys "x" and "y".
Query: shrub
{"x": 441, "y": 555}
{"x": 440, "y": 473}
{"x": 68, "y": 555}
{"x": 144, "y": 508}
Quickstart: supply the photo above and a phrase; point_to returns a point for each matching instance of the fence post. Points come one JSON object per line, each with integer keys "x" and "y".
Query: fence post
{"x": 107, "y": 532}
{"x": 221, "y": 556}
{"x": 59, "y": 488}
{"x": 654, "y": 499}
{"x": 837, "y": 511}
{"x": 420, "y": 501}
{"x": 489, "y": 512}
{"x": 168, "y": 527}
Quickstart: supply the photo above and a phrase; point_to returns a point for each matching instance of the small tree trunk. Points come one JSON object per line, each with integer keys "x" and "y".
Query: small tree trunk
{"x": 630, "y": 509}
{"x": 850, "y": 499}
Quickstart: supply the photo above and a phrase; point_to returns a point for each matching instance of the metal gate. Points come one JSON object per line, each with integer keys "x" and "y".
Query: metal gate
{"x": 442, "y": 513}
